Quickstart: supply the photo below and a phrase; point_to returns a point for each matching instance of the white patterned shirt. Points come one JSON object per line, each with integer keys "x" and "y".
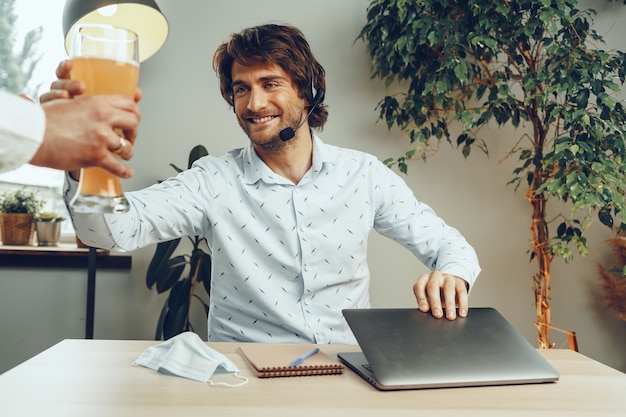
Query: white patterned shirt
{"x": 22, "y": 128}
{"x": 286, "y": 259}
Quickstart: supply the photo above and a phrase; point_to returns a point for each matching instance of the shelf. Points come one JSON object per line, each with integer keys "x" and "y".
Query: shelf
{"x": 66, "y": 255}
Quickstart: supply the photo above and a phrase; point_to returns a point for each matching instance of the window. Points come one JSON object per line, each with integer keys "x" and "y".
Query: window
{"x": 47, "y": 15}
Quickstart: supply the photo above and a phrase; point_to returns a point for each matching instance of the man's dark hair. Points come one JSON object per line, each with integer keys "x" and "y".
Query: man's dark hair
{"x": 273, "y": 44}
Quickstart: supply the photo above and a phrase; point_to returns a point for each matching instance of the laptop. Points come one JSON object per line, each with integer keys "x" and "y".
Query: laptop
{"x": 408, "y": 349}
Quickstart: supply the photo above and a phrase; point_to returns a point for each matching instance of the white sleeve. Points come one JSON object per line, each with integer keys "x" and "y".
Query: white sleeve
{"x": 22, "y": 128}
{"x": 152, "y": 217}
{"x": 416, "y": 226}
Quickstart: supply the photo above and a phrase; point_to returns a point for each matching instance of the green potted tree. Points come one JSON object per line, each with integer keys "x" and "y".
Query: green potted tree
{"x": 48, "y": 228}
{"x": 461, "y": 66}
{"x": 17, "y": 211}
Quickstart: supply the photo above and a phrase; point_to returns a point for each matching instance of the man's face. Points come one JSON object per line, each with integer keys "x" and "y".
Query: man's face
{"x": 266, "y": 102}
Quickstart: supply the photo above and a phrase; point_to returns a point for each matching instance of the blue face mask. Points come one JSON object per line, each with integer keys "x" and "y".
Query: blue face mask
{"x": 187, "y": 356}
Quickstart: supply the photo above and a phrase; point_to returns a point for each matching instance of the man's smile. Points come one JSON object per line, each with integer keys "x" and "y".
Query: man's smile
{"x": 261, "y": 119}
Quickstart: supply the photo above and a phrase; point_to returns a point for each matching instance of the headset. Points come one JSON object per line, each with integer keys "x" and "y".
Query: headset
{"x": 318, "y": 95}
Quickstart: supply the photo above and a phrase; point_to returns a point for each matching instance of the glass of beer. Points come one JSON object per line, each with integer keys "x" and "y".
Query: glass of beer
{"x": 106, "y": 59}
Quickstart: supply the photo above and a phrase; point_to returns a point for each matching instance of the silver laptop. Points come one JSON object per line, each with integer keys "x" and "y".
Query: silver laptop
{"x": 408, "y": 349}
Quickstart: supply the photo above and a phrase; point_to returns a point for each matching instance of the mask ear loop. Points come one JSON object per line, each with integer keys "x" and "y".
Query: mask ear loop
{"x": 226, "y": 384}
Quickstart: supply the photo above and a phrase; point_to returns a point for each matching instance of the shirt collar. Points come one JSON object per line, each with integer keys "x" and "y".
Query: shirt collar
{"x": 254, "y": 169}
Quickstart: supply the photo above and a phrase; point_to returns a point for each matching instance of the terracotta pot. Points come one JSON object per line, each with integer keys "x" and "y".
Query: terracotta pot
{"x": 80, "y": 244}
{"x": 17, "y": 228}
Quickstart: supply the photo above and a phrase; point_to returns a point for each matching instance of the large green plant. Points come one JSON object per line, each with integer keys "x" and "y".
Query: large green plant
{"x": 183, "y": 275}
{"x": 17, "y": 62}
{"x": 462, "y": 65}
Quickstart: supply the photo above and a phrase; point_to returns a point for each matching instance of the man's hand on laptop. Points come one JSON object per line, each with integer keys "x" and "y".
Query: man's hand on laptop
{"x": 429, "y": 289}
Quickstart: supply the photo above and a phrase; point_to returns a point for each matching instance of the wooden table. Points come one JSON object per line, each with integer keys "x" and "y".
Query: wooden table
{"x": 96, "y": 378}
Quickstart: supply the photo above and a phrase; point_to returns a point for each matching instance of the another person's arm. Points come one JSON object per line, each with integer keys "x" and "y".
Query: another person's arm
{"x": 22, "y": 126}
{"x": 82, "y": 133}
{"x": 103, "y": 117}
{"x": 67, "y": 134}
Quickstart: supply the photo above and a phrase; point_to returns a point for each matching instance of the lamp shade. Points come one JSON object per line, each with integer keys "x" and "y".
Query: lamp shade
{"x": 141, "y": 16}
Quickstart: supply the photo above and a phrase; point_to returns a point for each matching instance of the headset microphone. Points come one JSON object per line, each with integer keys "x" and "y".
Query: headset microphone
{"x": 289, "y": 132}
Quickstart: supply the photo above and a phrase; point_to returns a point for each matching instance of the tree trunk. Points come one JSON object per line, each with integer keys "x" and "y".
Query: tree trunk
{"x": 541, "y": 280}
{"x": 540, "y": 233}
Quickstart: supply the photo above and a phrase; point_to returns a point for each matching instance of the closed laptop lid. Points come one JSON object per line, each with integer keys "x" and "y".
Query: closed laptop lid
{"x": 410, "y": 349}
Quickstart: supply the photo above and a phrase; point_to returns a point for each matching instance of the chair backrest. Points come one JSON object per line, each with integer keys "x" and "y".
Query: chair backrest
{"x": 571, "y": 337}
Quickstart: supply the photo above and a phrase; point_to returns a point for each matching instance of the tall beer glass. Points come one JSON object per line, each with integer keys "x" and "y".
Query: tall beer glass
{"x": 106, "y": 59}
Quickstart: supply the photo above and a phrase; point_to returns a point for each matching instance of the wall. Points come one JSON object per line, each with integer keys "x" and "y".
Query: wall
{"x": 182, "y": 107}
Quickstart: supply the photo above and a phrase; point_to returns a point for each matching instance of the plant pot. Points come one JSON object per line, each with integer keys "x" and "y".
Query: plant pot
{"x": 17, "y": 228}
{"x": 80, "y": 244}
{"x": 48, "y": 233}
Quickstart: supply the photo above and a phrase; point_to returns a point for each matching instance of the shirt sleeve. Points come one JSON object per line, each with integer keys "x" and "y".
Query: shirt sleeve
{"x": 162, "y": 212}
{"x": 416, "y": 226}
{"x": 22, "y": 128}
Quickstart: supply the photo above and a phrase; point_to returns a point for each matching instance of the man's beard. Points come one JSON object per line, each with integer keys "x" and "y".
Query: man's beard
{"x": 274, "y": 143}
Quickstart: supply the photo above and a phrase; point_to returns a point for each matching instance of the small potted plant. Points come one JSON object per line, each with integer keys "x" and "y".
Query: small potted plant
{"x": 17, "y": 211}
{"x": 48, "y": 228}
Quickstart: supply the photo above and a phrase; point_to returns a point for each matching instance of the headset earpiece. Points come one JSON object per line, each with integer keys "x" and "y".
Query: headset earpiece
{"x": 317, "y": 92}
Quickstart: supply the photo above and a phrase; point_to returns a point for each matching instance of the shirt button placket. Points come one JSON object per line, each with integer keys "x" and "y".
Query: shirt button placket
{"x": 300, "y": 213}
{"x": 307, "y": 270}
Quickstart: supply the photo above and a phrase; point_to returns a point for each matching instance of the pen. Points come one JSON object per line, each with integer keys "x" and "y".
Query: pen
{"x": 297, "y": 361}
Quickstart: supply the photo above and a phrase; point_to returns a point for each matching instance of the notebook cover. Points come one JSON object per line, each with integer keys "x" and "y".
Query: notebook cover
{"x": 272, "y": 360}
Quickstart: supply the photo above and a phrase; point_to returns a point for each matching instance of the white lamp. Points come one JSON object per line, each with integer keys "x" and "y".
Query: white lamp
{"x": 141, "y": 16}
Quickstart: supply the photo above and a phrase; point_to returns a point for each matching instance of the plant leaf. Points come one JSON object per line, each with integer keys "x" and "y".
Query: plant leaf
{"x": 196, "y": 153}
{"x": 205, "y": 272}
{"x": 178, "y": 308}
{"x": 174, "y": 322}
{"x": 158, "y": 334}
{"x": 171, "y": 273}
{"x": 158, "y": 264}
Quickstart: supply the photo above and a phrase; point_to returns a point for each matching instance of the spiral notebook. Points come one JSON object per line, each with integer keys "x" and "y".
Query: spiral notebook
{"x": 272, "y": 360}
